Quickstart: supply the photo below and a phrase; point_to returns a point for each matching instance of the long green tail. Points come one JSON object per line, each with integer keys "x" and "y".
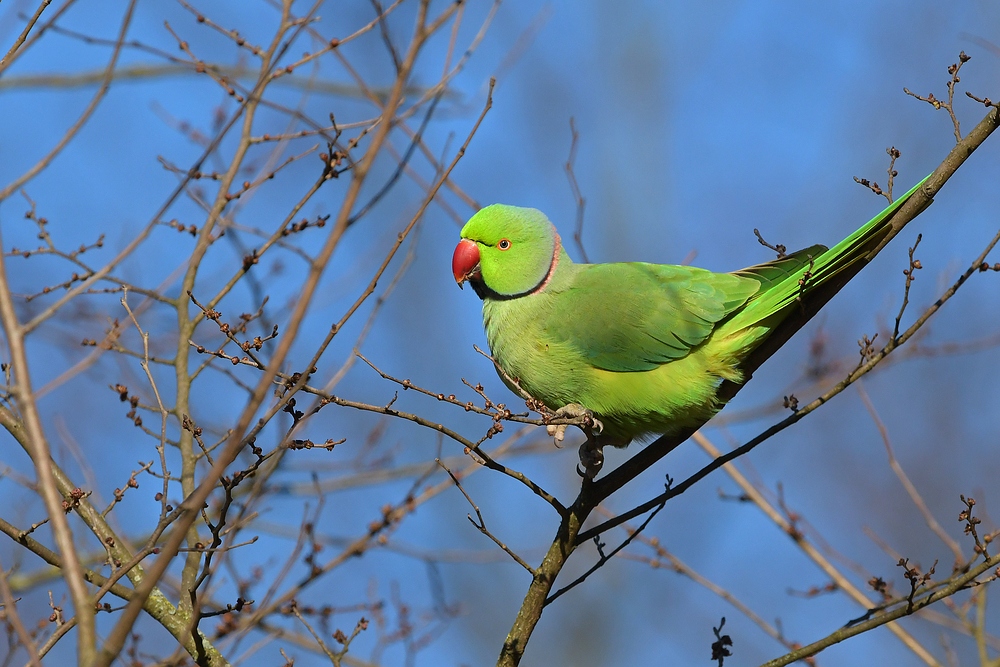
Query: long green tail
{"x": 829, "y": 271}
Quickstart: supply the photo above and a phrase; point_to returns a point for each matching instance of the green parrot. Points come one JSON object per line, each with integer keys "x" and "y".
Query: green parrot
{"x": 641, "y": 348}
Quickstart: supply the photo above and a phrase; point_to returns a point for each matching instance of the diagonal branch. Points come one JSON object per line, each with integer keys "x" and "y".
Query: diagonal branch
{"x": 481, "y": 525}
{"x": 19, "y": 42}
{"x": 780, "y": 519}
{"x": 13, "y": 618}
{"x": 904, "y": 479}
{"x": 38, "y": 449}
{"x": 905, "y": 608}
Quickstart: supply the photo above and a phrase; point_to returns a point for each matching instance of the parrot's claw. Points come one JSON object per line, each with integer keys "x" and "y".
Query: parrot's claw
{"x": 558, "y": 433}
{"x": 575, "y": 411}
{"x": 591, "y": 458}
{"x": 591, "y": 451}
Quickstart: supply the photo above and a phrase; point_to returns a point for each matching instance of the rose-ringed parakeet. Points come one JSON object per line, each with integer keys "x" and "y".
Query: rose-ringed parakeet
{"x": 642, "y": 347}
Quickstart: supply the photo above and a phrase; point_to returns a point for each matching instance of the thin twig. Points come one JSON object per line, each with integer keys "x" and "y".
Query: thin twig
{"x": 954, "y": 585}
{"x": 19, "y": 42}
{"x": 904, "y": 479}
{"x": 13, "y": 618}
{"x": 44, "y": 162}
{"x": 910, "y": 277}
{"x": 948, "y": 106}
{"x": 38, "y": 449}
{"x": 481, "y": 524}
{"x": 581, "y": 203}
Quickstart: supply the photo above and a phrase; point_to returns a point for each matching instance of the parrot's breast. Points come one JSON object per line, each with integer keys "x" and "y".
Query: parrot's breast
{"x": 546, "y": 369}
{"x": 631, "y": 405}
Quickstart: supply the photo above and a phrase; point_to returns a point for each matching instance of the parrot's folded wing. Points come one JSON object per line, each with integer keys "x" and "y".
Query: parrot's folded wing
{"x": 636, "y": 316}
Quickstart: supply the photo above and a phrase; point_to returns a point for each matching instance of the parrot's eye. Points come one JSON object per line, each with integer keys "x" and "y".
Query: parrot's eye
{"x": 504, "y": 244}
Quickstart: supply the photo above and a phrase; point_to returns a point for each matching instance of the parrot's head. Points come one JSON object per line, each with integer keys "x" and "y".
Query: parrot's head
{"x": 506, "y": 251}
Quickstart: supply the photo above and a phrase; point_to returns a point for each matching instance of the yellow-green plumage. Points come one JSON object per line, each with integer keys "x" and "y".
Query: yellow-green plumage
{"x": 643, "y": 346}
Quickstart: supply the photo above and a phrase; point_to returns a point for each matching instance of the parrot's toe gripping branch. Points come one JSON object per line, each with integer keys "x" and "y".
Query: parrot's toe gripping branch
{"x": 590, "y": 423}
{"x": 591, "y": 451}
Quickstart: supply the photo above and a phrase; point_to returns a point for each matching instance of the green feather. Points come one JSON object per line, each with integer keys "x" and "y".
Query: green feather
{"x": 636, "y": 317}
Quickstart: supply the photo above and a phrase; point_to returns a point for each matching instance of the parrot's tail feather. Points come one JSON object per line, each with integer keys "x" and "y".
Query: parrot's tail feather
{"x": 803, "y": 282}
{"x": 770, "y": 274}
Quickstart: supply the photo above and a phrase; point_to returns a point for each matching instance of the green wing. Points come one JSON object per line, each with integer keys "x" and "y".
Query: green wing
{"x": 636, "y": 316}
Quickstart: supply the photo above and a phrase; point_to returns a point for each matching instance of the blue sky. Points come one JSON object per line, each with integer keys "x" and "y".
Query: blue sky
{"x": 697, "y": 123}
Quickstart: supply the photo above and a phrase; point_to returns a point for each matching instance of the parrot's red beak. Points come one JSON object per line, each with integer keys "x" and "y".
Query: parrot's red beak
{"x": 465, "y": 261}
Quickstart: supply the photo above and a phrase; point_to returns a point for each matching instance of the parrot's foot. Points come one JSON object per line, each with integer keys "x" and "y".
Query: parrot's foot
{"x": 574, "y": 411}
{"x": 591, "y": 458}
{"x": 591, "y": 451}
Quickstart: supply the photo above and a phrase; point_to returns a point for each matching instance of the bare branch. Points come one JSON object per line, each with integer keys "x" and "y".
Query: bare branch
{"x": 6, "y": 61}
{"x": 481, "y": 524}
